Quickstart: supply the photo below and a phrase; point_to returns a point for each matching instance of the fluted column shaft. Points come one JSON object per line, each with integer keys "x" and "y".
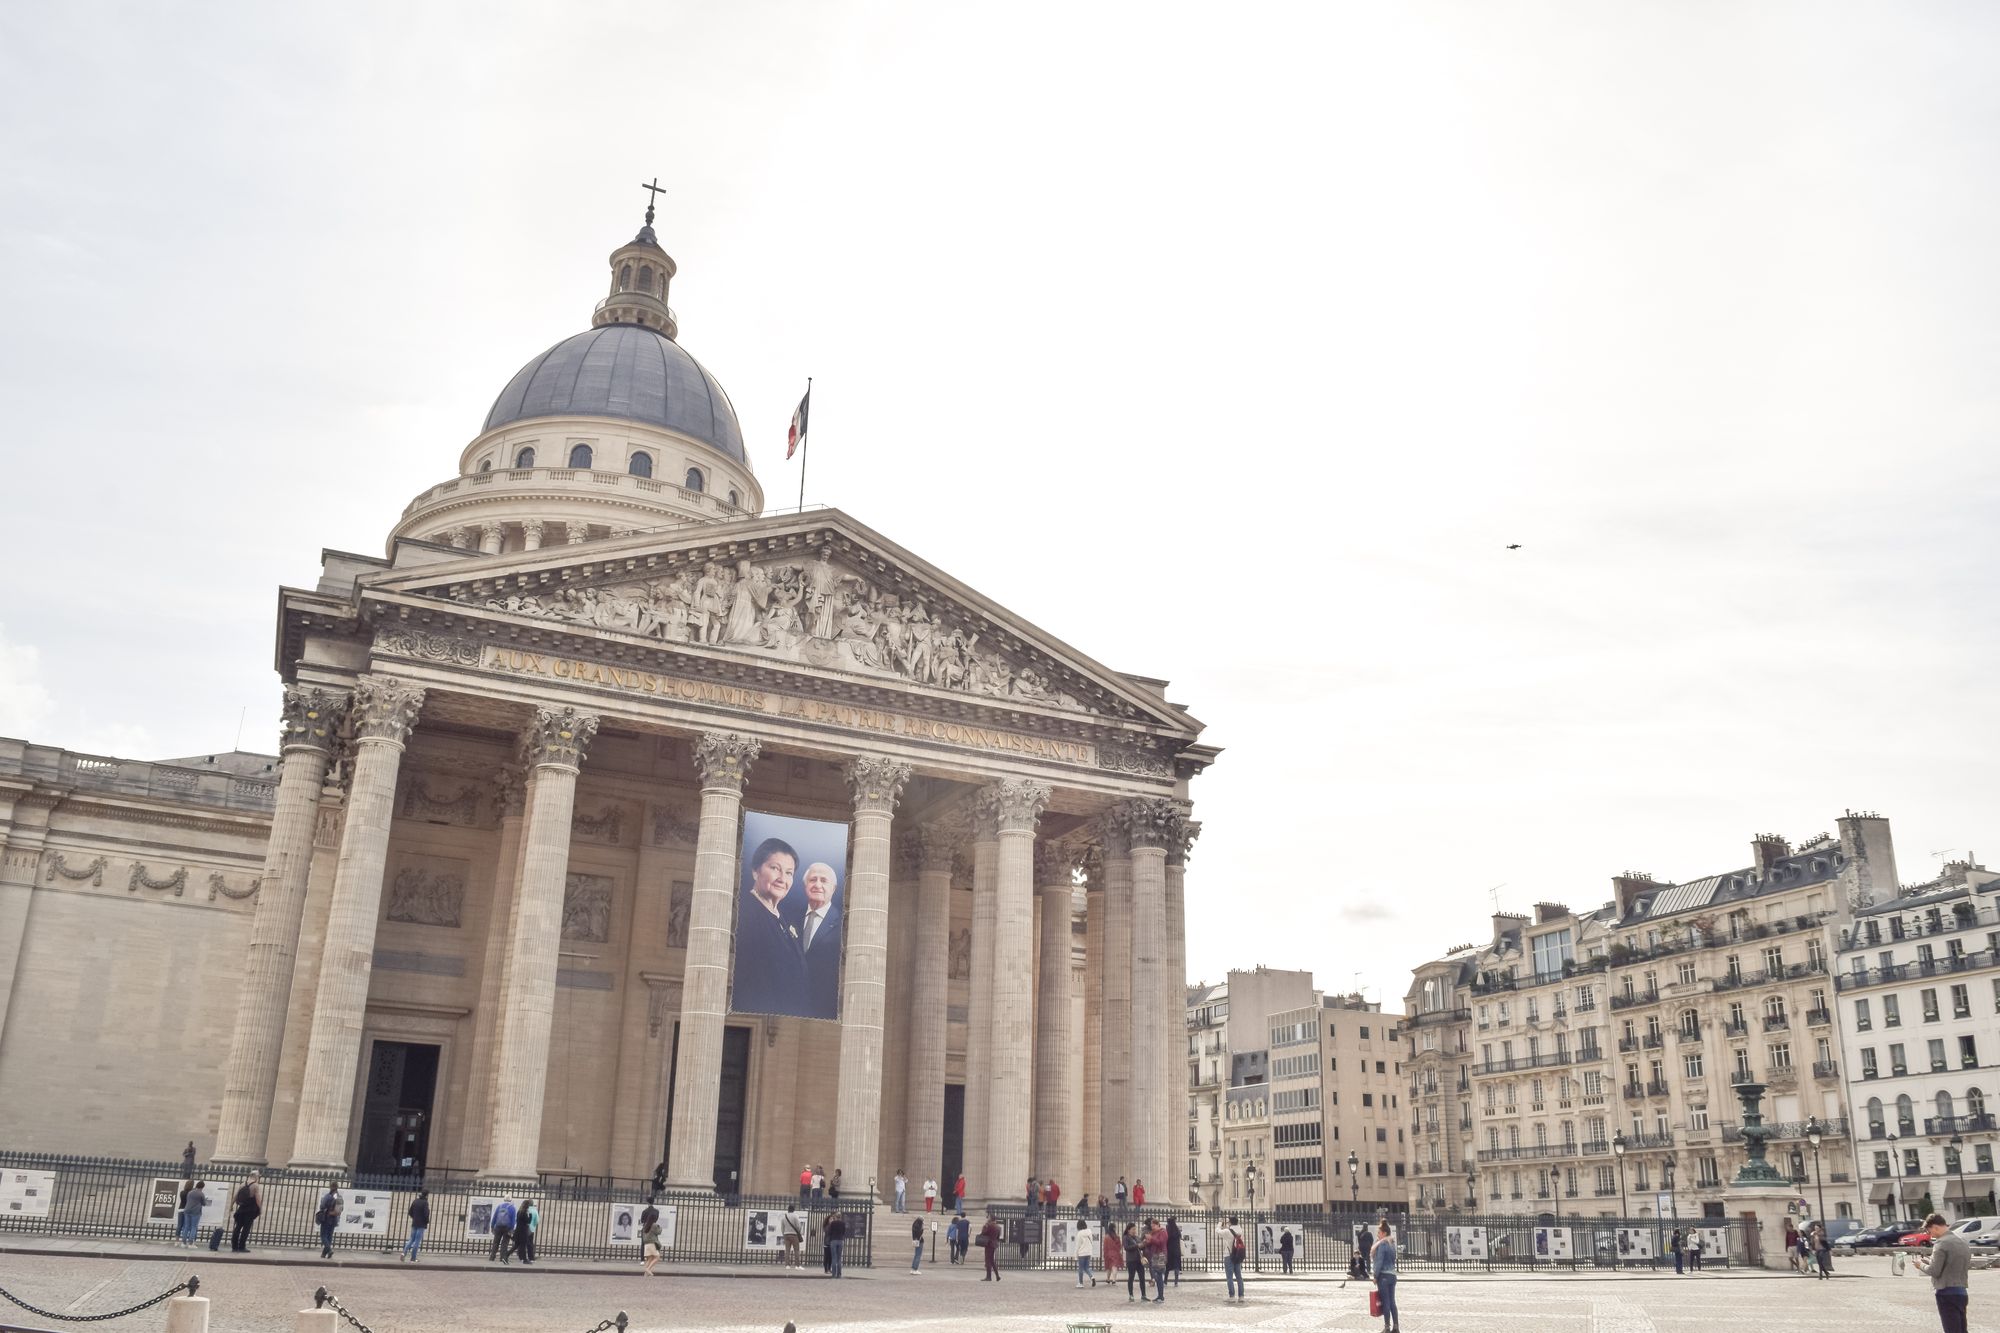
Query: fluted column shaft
{"x": 724, "y": 759}
{"x": 384, "y": 711}
{"x": 1057, "y": 1133}
{"x": 1178, "y": 1103}
{"x": 1094, "y": 1178}
{"x": 556, "y": 741}
{"x": 1115, "y": 1006}
{"x": 979, "y": 1019}
{"x": 1150, "y": 1019}
{"x": 502, "y": 913}
{"x": 1010, "y": 1124}
{"x": 923, "y": 1148}
{"x": 312, "y": 718}
{"x": 857, "y": 1135}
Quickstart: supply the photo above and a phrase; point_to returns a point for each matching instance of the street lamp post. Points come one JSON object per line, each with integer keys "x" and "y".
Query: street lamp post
{"x": 1958, "y": 1165}
{"x": 1813, "y": 1135}
{"x": 1250, "y": 1185}
{"x": 1471, "y": 1197}
{"x": 1618, "y": 1151}
{"x": 1896, "y": 1185}
{"x": 1354, "y": 1179}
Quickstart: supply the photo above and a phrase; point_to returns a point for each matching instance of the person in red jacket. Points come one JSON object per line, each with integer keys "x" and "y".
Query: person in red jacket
{"x": 1051, "y": 1193}
{"x": 1138, "y": 1194}
{"x": 958, "y": 1195}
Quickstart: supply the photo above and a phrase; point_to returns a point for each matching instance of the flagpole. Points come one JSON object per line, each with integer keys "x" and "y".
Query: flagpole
{"x": 805, "y": 447}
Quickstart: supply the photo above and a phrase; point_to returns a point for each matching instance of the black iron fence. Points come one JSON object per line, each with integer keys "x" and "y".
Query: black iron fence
{"x": 53, "y": 1195}
{"x": 1326, "y": 1243}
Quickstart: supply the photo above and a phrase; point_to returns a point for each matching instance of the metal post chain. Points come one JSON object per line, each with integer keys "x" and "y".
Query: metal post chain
{"x": 322, "y": 1297}
{"x": 191, "y": 1286}
{"x": 617, "y": 1323}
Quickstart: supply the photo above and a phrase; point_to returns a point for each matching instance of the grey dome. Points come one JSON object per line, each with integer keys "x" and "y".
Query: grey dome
{"x": 625, "y": 371}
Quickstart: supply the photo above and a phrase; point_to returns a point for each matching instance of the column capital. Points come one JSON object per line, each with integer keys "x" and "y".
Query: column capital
{"x": 385, "y": 708}
{"x": 1011, "y": 805}
{"x": 933, "y": 847}
{"x": 1177, "y": 851}
{"x": 557, "y": 737}
{"x": 510, "y": 789}
{"x": 724, "y": 758}
{"x": 1154, "y": 822}
{"x": 1055, "y": 866}
{"x": 311, "y": 717}
{"x": 532, "y": 527}
{"x": 876, "y": 783}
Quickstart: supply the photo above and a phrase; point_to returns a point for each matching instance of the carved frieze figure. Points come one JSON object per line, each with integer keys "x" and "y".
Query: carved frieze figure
{"x": 680, "y": 905}
{"x": 961, "y": 953}
{"x": 427, "y": 895}
{"x": 814, "y": 612}
{"x": 586, "y": 914}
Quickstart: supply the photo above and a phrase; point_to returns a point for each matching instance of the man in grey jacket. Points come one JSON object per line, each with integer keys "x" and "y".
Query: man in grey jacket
{"x": 1949, "y": 1265}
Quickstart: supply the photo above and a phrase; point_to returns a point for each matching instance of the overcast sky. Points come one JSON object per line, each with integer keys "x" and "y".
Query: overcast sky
{"x": 1231, "y": 344}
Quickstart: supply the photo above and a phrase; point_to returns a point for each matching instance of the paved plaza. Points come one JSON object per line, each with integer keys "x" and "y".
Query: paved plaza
{"x": 259, "y": 1298}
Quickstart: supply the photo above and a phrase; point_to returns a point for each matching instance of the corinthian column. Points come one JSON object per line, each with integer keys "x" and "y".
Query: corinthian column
{"x": 1057, "y": 1132}
{"x": 312, "y": 718}
{"x": 724, "y": 759}
{"x": 979, "y": 1017}
{"x": 923, "y": 1146}
{"x": 554, "y": 746}
{"x": 857, "y": 1137}
{"x": 384, "y": 711}
{"x": 1114, "y": 1061}
{"x": 1012, "y": 1060}
{"x": 1094, "y": 1179}
{"x": 1152, "y": 824}
{"x": 1177, "y": 1050}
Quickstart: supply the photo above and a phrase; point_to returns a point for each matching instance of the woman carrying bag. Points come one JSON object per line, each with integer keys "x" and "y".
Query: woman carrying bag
{"x": 1383, "y": 1259}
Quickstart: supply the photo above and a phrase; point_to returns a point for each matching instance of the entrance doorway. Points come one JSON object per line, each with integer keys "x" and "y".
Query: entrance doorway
{"x": 396, "y": 1115}
{"x": 954, "y": 1142}
{"x": 731, "y": 1107}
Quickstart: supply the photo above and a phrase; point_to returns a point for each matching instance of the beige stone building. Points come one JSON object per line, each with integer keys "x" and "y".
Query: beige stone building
{"x": 1586, "y": 1062}
{"x": 482, "y": 914}
{"x": 1311, "y": 1114}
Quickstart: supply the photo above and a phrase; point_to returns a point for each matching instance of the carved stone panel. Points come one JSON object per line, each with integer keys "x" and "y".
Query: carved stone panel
{"x": 427, "y": 890}
{"x": 675, "y": 825}
{"x": 679, "y": 906}
{"x": 606, "y": 824}
{"x": 961, "y": 953}
{"x": 448, "y": 800}
{"x": 587, "y": 908}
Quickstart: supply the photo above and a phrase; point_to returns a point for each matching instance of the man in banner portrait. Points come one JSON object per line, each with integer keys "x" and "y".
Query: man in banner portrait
{"x": 789, "y": 917}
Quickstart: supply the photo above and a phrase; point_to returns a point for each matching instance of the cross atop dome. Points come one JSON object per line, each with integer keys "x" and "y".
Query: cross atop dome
{"x": 640, "y": 272}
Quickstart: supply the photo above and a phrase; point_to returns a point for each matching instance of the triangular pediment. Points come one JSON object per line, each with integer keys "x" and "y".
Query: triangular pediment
{"x": 818, "y": 593}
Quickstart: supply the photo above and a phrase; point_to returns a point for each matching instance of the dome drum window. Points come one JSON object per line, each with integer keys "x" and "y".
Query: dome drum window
{"x": 525, "y": 457}
{"x": 695, "y": 481}
{"x": 579, "y": 456}
{"x": 641, "y": 464}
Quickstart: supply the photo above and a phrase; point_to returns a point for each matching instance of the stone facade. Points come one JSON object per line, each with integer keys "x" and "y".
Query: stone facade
{"x": 498, "y": 860}
{"x": 1585, "y": 1061}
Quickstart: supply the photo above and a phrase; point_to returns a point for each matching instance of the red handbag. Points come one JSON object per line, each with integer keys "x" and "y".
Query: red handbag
{"x": 1375, "y": 1304}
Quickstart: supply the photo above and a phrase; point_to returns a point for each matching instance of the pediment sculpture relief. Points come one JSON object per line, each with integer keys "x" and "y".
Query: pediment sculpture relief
{"x": 814, "y": 612}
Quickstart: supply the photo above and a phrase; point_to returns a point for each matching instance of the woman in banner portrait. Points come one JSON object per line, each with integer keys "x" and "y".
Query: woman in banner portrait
{"x": 770, "y": 957}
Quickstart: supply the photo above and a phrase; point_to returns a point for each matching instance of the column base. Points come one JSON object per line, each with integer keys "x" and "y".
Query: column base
{"x": 253, "y": 1163}
{"x": 340, "y": 1169}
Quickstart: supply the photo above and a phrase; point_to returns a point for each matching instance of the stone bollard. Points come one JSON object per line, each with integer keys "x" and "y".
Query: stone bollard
{"x": 187, "y": 1314}
{"x": 317, "y": 1321}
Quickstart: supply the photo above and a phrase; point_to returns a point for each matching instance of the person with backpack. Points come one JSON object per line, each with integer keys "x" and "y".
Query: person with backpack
{"x": 420, "y": 1221}
{"x": 649, "y": 1242}
{"x": 247, "y": 1207}
{"x": 328, "y": 1217}
{"x": 526, "y": 1219}
{"x": 1232, "y": 1259}
{"x": 502, "y": 1226}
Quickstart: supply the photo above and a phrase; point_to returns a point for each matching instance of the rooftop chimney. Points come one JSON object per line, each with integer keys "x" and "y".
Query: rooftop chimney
{"x": 1628, "y": 888}
{"x": 1765, "y": 851}
{"x": 1871, "y": 857}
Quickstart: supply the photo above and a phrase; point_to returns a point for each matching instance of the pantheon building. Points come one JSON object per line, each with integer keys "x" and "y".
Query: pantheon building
{"x": 491, "y": 909}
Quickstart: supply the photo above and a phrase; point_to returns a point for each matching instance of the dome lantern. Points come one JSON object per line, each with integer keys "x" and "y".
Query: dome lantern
{"x": 640, "y": 272}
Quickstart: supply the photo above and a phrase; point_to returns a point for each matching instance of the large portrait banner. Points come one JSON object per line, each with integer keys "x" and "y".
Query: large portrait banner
{"x": 790, "y": 917}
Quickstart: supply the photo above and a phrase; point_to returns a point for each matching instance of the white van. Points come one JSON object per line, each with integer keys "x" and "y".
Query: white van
{"x": 1979, "y": 1230}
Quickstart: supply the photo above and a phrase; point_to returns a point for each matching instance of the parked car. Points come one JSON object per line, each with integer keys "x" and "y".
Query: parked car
{"x": 1979, "y": 1230}
{"x": 1916, "y": 1239}
{"x": 1876, "y": 1238}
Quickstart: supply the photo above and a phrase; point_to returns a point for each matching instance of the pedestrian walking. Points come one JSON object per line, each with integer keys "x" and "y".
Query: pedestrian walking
{"x": 247, "y": 1207}
{"x": 649, "y": 1245}
{"x": 825, "y": 1250}
{"x": 328, "y": 1216}
{"x": 1121, "y": 1192}
{"x": 526, "y": 1219}
{"x": 902, "y": 1183}
{"x": 1174, "y": 1251}
{"x": 1051, "y": 1195}
{"x": 818, "y": 1184}
{"x": 1822, "y": 1250}
{"x": 1382, "y": 1259}
{"x": 836, "y": 1241}
{"x": 1675, "y": 1242}
{"x": 501, "y": 1222}
{"x": 1113, "y": 1252}
{"x": 1138, "y": 1194}
{"x": 958, "y": 1193}
{"x": 792, "y": 1231}
{"x": 420, "y": 1221}
{"x": 930, "y": 1193}
{"x": 1949, "y": 1265}
{"x": 1135, "y": 1262}
{"x": 1232, "y": 1259}
{"x": 1694, "y": 1249}
{"x": 805, "y": 1183}
{"x": 917, "y": 1244}
{"x": 1156, "y": 1259}
{"x": 989, "y": 1241}
{"x": 1083, "y": 1256}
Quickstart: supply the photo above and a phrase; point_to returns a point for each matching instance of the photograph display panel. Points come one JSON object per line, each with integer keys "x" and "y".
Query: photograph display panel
{"x": 791, "y": 899}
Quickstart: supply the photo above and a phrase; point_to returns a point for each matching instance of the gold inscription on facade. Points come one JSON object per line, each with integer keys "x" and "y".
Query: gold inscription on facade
{"x": 789, "y": 706}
